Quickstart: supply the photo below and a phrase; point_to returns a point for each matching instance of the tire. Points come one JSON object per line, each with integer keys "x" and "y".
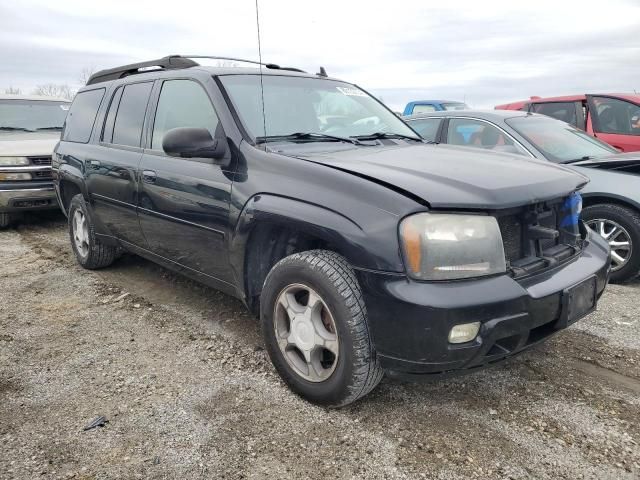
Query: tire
{"x": 355, "y": 370}
{"x": 90, "y": 253}
{"x": 5, "y": 220}
{"x": 608, "y": 214}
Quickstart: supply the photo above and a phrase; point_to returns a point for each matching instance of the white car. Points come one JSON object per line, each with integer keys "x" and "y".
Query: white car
{"x": 30, "y": 127}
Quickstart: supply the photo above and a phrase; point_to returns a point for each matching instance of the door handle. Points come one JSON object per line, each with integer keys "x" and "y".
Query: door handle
{"x": 149, "y": 176}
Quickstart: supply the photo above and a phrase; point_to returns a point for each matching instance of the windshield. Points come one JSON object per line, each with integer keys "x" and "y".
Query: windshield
{"x": 32, "y": 115}
{"x": 309, "y": 105}
{"x": 455, "y": 106}
{"x": 559, "y": 141}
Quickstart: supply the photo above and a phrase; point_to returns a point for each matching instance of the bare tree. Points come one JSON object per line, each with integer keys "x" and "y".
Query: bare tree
{"x": 12, "y": 91}
{"x": 85, "y": 74}
{"x": 54, "y": 90}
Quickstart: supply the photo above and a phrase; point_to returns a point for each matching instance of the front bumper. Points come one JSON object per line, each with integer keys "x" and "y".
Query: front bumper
{"x": 32, "y": 196}
{"x": 410, "y": 321}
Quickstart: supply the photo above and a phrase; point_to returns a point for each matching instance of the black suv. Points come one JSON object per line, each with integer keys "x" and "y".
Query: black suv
{"x": 362, "y": 248}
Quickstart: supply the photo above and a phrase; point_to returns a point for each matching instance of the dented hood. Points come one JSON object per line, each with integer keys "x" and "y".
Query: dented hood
{"x": 455, "y": 177}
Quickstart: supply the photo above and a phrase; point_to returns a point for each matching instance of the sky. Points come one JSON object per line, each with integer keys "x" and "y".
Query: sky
{"x": 483, "y": 52}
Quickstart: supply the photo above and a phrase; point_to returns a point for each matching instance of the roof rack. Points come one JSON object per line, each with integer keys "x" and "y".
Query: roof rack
{"x": 165, "y": 63}
{"x": 170, "y": 62}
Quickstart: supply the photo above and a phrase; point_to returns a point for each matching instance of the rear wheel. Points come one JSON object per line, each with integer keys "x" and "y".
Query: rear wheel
{"x": 89, "y": 252}
{"x": 314, "y": 323}
{"x": 620, "y": 227}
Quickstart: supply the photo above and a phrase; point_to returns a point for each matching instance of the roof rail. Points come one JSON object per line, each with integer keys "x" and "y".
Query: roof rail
{"x": 164, "y": 63}
{"x": 271, "y": 66}
{"x": 170, "y": 62}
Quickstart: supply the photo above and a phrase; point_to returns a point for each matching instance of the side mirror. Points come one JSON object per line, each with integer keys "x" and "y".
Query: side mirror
{"x": 187, "y": 142}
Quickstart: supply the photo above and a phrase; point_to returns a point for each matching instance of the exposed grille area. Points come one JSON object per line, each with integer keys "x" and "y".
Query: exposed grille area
{"x": 40, "y": 161}
{"x": 535, "y": 237}
{"x": 42, "y": 175}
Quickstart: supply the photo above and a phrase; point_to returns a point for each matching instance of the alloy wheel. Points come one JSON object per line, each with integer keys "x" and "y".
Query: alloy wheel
{"x": 306, "y": 332}
{"x": 618, "y": 238}
{"x": 81, "y": 233}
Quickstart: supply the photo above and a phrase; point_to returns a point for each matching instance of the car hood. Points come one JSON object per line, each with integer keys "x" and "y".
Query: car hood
{"x": 455, "y": 177}
{"x": 623, "y": 162}
{"x": 28, "y": 143}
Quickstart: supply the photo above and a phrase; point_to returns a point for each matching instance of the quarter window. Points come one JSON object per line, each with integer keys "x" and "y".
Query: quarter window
{"x": 82, "y": 115}
{"x": 107, "y": 133}
{"x": 182, "y": 103}
{"x": 616, "y": 116}
{"x": 127, "y": 128}
{"x": 478, "y": 134}
{"x": 423, "y": 108}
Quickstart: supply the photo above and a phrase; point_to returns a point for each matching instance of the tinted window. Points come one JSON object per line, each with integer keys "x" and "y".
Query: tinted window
{"x": 107, "y": 133}
{"x": 562, "y": 111}
{"x": 426, "y": 127}
{"x": 182, "y": 103}
{"x": 475, "y": 133}
{"x": 127, "y": 128}
{"x": 423, "y": 108}
{"x": 82, "y": 116}
{"x": 616, "y": 116}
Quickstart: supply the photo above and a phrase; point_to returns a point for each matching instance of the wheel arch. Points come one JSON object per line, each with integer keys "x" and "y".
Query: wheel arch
{"x": 272, "y": 227}
{"x": 589, "y": 200}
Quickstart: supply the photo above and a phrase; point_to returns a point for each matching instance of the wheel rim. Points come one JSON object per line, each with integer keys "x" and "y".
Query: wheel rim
{"x": 618, "y": 238}
{"x": 81, "y": 233}
{"x": 306, "y": 332}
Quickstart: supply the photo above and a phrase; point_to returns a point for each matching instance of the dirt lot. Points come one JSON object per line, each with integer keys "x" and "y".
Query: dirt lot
{"x": 180, "y": 373}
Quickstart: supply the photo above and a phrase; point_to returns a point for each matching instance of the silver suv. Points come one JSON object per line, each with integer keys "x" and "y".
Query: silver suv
{"x": 29, "y": 130}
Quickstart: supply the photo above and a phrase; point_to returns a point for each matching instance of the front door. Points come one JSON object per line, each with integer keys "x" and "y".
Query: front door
{"x": 184, "y": 203}
{"x": 615, "y": 121}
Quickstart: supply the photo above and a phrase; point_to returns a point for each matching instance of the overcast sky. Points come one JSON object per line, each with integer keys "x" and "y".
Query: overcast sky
{"x": 485, "y": 52}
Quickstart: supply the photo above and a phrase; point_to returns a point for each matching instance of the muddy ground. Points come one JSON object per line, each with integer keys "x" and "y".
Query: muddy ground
{"x": 180, "y": 373}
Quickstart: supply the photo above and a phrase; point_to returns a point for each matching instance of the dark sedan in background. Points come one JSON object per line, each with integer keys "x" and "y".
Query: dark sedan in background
{"x": 611, "y": 199}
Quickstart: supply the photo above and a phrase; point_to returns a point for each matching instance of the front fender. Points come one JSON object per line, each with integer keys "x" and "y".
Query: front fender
{"x": 372, "y": 246}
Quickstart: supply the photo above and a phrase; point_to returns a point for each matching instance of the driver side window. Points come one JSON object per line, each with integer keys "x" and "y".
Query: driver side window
{"x": 478, "y": 134}
{"x": 616, "y": 116}
{"x": 182, "y": 103}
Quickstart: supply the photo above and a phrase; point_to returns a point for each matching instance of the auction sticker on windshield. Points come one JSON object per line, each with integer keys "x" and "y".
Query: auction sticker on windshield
{"x": 352, "y": 92}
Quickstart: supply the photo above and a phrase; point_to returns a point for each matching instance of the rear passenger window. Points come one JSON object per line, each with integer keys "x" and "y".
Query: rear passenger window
{"x": 82, "y": 116}
{"x": 182, "y": 103}
{"x": 426, "y": 127}
{"x": 565, "y": 111}
{"x": 127, "y": 129}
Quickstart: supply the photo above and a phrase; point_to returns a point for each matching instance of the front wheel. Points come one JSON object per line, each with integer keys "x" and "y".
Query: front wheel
{"x": 314, "y": 323}
{"x": 620, "y": 227}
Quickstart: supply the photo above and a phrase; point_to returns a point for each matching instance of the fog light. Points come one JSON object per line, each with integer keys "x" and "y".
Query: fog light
{"x": 15, "y": 176}
{"x": 464, "y": 333}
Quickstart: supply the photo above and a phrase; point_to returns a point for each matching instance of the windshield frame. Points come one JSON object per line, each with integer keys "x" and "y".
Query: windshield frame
{"x": 579, "y": 134}
{"x": 250, "y": 138}
{"x": 33, "y": 102}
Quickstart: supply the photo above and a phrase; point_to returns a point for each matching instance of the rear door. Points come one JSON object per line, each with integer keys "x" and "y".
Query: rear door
{"x": 184, "y": 203}
{"x": 112, "y": 169}
{"x": 615, "y": 121}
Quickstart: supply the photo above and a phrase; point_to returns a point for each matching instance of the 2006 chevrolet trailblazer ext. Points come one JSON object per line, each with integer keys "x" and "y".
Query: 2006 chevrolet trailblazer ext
{"x": 363, "y": 249}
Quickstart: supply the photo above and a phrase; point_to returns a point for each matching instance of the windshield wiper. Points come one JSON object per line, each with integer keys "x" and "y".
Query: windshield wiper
{"x": 379, "y": 135}
{"x": 581, "y": 159}
{"x": 49, "y": 128}
{"x": 21, "y": 129}
{"x": 309, "y": 136}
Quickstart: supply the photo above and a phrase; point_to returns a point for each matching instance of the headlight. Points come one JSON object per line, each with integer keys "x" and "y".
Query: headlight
{"x": 13, "y": 161}
{"x": 14, "y": 176}
{"x": 439, "y": 246}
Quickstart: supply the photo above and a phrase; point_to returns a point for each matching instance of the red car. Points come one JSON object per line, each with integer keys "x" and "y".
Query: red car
{"x": 614, "y": 118}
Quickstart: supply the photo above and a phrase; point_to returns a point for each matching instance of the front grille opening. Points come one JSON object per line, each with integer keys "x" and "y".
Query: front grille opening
{"x": 541, "y": 332}
{"x": 504, "y": 346}
{"x": 40, "y": 161}
{"x": 534, "y": 240}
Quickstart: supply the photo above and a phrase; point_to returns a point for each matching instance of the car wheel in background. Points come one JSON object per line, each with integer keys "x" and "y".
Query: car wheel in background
{"x": 620, "y": 226}
{"x": 90, "y": 253}
{"x": 314, "y": 323}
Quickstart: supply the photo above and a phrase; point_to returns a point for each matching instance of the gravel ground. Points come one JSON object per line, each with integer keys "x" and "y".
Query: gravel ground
{"x": 180, "y": 373}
